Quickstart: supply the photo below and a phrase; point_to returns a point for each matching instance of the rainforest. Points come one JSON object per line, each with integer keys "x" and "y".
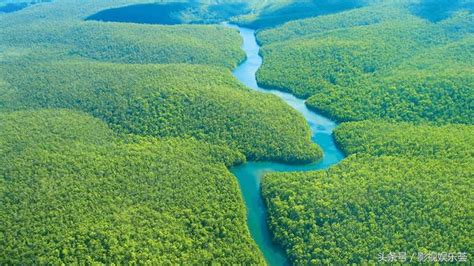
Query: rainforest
{"x": 277, "y": 132}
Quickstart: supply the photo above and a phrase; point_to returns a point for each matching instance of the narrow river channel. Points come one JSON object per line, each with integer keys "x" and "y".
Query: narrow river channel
{"x": 249, "y": 175}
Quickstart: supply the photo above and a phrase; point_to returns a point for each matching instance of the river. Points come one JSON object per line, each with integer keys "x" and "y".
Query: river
{"x": 249, "y": 175}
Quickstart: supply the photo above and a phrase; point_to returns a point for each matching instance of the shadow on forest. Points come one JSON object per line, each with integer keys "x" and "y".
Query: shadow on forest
{"x": 171, "y": 13}
{"x": 437, "y": 10}
{"x": 13, "y": 7}
{"x": 271, "y": 16}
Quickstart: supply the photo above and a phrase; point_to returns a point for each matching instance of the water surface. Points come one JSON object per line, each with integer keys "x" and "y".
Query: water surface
{"x": 249, "y": 175}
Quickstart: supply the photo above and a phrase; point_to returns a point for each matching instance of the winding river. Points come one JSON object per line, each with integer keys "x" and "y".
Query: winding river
{"x": 249, "y": 175}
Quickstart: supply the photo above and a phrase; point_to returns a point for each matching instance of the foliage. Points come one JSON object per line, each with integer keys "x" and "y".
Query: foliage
{"x": 131, "y": 43}
{"x": 444, "y": 96}
{"x": 371, "y": 205}
{"x": 379, "y": 138}
{"x": 72, "y": 192}
{"x": 65, "y": 30}
{"x": 76, "y": 10}
{"x": 172, "y": 13}
{"x": 271, "y": 13}
{"x": 404, "y": 188}
{"x": 353, "y": 18}
{"x": 166, "y": 101}
{"x": 132, "y": 169}
{"x": 375, "y": 62}
{"x": 436, "y": 10}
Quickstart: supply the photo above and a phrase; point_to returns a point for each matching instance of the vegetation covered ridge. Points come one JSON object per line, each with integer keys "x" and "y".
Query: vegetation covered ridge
{"x": 369, "y": 206}
{"x": 116, "y": 138}
{"x": 379, "y": 61}
{"x": 407, "y": 185}
{"x": 128, "y": 43}
{"x": 206, "y": 103}
{"x": 404, "y": 188}
{"x": 72, "y": 191}
{"x": 376, "y": 138}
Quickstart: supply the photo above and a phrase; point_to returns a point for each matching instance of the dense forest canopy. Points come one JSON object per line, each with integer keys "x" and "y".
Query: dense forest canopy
{"x": 436, "y": 10}
{"x": 116, "y": 134}
{"x": 172, "y": 13}
{"x": 129, "y": 43}
{"x": 272, "y": 13}
{"x": 379, "y": 61}
{"x": 8, "y": 6}
{"x": 166, "y": 101}
{"x": 72, "y": 191}
{"x": 405, "y": 188}
{"x": 116, "y": 138}
{"x": 425, "y": 141}
{"x": 405, "y": 70}
{"x": 368, "y": 206}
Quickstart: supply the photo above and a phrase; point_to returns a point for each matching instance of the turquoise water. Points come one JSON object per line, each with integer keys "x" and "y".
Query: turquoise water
{"x": 250, "y": 174}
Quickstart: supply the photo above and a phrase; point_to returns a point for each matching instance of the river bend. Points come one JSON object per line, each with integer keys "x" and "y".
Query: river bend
{"x": 249, "y": 175}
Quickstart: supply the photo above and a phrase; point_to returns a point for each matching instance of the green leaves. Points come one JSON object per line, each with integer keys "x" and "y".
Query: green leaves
{"x": 372, "y": 205}
{"x": 185, "y": 101}
{"x": 407, "y": 186}
{"x": 378, "y": 138}
{"x": 375, "y": 62}
{"x": 71, "y": 191}
{"x": 404, "y": 188}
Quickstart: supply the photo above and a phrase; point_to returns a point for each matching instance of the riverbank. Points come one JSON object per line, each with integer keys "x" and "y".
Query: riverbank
{"x": 250, "y": 174}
